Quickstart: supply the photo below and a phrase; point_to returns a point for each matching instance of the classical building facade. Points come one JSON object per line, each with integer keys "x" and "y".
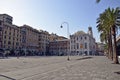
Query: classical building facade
{"x": 82, "y": 43}
{"x": 59, "y": 47}
{"x": 27, "y": 38}
{"x": 10, "y": 35}
{"x": 30, "y": 38}
{"x": 43, "y": 42}
{"x": 53, "y": 37}
{"x": 100, "y": 48}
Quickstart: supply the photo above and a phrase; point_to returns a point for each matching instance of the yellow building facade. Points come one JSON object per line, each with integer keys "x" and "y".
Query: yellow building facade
{"x": 30, "y": 38}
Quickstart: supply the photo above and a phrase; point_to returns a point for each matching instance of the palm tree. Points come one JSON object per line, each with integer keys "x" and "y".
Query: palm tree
{"x": 98, "y": 1}
{"x": 105, "y": 35}
{"x": 114, "y": 20}
{"x": 110, "y": 21}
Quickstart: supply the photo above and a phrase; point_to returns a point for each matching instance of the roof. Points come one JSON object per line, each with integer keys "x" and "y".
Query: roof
{"x": 79, "y": 33}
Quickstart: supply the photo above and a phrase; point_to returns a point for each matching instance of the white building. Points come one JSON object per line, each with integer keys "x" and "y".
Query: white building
{"x": 82, "y": 43}
{"x": 101, "y": 46}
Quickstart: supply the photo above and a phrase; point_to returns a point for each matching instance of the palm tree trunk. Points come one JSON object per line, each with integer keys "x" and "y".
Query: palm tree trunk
{"x": 114, "y": 47}
{"x": 107, "y": 45}
{"x": 111, "y": 47}
{"x": 107, "y": 41}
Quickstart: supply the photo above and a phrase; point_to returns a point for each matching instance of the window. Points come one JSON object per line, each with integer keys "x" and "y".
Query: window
{"x": 9, "y": 37}
{"x": 4, "y": 42}
{"x": 5, "y": 37}
{"x": 9, "y": 42}
{"x": 4, "y": 46}
{"x": 5, "y": 32}
{"x": 77, "y": 38}
{"x": 0, "y": 28}
{"x": 0, "y": 22}
{"x": 81, "y": 38}
{"x": 74, "y": 47}
{"x": 74, "y": 41}
{"x": 10, "y": 33}
{"x": 85, "y": 45}
{"x": 77, "y": 46}
{"x": 85, "y": 37}
{"x": 17, "y": 43}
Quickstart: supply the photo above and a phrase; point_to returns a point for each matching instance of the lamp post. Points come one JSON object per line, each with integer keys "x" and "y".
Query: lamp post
{"x": 67, "y": 36}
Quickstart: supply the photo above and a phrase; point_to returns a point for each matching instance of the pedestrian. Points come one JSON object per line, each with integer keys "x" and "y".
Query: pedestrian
{"x": 17, "y": 54}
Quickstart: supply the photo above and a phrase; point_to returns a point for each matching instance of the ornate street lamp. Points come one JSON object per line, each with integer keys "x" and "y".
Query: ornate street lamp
{"x": 67, "y": 36}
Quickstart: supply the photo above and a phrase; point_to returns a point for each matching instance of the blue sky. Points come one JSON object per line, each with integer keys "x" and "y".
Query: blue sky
{"x": 49, "y": 14}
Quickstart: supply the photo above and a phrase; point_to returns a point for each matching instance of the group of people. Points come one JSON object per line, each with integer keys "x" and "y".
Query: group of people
{"x": 5, "y": 53}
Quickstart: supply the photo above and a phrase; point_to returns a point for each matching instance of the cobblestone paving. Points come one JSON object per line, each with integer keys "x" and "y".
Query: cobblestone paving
{"x": 58, "y": 68}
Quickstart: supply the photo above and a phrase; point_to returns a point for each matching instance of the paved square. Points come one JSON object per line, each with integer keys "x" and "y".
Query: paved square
{"x": 58, "y": 68}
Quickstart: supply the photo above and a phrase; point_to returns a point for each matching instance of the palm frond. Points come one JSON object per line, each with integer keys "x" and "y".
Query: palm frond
{"x": 97, "y": 1}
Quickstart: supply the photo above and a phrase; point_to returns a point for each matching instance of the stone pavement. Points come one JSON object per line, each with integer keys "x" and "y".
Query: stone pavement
{"x": 58, "y": 68}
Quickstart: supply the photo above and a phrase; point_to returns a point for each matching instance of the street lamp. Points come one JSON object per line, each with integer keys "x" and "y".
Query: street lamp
{"x": 67, "y": 36}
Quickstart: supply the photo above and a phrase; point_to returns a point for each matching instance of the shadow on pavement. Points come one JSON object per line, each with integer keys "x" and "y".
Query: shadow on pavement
{"x": 117, "y": 72}
{"x": 7, "y": 77}
{"x": 84, "y": 58}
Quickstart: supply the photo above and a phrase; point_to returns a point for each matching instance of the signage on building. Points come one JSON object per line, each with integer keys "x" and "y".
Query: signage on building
{"x": 81, "y": 45}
